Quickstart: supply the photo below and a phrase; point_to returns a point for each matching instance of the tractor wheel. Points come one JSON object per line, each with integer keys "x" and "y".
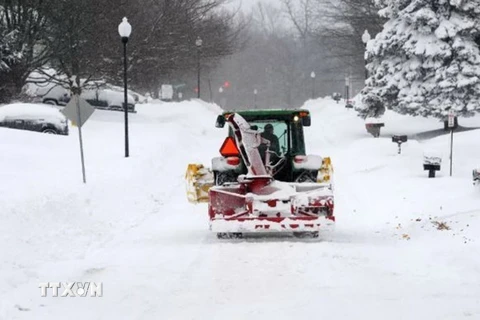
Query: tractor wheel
{"x": 303, "y": 235}
{"x": 221, "y": 178}
{"x": 229, "y": 235}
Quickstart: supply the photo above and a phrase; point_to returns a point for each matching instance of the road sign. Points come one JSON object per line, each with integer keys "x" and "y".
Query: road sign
{"x": 451, "y": 119}
{"x": 70, "y": 111}
{"x": 78, "y": 111}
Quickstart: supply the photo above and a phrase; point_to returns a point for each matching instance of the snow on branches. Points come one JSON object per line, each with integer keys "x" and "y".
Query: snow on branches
{"x": 8, "y": 54}
{"x": 426, "y": 60}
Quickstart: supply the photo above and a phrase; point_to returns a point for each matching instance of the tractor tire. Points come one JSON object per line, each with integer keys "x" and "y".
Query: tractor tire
{"x": 221, "y": 178}
{"x": 229, "y": 235}
{"x": 304, "y": 235}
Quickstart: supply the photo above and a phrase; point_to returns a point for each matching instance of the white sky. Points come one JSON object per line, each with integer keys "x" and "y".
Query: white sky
{"x": 248, "y": 4}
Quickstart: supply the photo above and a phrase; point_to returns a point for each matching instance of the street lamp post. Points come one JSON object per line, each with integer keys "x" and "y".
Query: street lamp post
{"x": 255, "y": 92}
{"x": 313, "y": 75}
{"x": 365, "y": 38}
{"x": 198, "y": 43}
{"x": 125, "y": 29}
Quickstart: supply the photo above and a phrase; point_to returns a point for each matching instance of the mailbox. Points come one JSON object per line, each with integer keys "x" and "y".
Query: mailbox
{"x": 431, "y": 164}
{"x": 399, "y": 139}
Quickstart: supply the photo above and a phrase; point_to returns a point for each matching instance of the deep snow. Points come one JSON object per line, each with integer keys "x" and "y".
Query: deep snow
{"x": 132, "y": 228}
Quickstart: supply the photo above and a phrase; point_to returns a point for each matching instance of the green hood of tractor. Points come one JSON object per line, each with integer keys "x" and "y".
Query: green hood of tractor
{"x": 269, "y": 114}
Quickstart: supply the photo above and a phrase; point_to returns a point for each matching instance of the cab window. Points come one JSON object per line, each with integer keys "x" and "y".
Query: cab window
{"x": 279, "y": 130}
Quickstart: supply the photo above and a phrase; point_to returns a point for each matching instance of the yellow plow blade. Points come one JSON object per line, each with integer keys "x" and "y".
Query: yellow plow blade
{"x": 325, "y": 173}
{"x": 198, "y": 181}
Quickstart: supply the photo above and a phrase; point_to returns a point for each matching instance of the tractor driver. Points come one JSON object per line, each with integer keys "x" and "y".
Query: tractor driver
{"x": 269, "y": 135}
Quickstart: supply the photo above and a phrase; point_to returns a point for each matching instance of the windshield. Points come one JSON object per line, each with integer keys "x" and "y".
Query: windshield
{"x": 278, "y": 135}
{"x": 288, "y": 134}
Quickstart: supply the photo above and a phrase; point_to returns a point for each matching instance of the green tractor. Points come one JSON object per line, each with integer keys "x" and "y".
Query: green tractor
{"x": 282, "y": 150}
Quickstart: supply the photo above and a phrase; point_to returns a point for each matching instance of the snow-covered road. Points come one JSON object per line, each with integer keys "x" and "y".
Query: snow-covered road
{"x": 132, "y": 229}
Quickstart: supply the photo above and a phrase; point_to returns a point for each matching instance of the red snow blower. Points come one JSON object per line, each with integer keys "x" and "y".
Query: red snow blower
{"x": 257, "y": 202}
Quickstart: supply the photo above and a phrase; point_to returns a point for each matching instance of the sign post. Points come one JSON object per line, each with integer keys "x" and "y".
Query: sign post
{"x": 347, "y": 89}
{"x": 78, "y": 111}
{"x": 451, "y": 125}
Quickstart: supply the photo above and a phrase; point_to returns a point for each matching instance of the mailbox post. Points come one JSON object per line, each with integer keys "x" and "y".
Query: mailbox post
{"x": 399, "y": 140}
{"x": 451, "y": 126}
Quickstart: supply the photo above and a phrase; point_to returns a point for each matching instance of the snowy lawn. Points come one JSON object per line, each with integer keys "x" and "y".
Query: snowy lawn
{"x": 403, "y": 246}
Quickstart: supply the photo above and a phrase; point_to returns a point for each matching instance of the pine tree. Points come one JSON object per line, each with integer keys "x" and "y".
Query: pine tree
{"x": 426, "y": 60}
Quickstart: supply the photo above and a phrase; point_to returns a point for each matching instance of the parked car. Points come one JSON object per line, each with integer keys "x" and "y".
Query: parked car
{"x": 99, "y": 98}
{"x": 57, "y": 96}
{"x": 166, "y": 93}
{"x": 33, "y": 117}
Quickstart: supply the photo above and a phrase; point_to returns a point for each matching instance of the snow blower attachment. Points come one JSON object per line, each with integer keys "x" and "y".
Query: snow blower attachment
{"x": 256, "y": 202}
{"x": 198, "y": 181}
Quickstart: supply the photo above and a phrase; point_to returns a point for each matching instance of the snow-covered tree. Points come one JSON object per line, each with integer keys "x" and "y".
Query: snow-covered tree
{"x": 426, "y": 60}
{"x": 8, "y": 54}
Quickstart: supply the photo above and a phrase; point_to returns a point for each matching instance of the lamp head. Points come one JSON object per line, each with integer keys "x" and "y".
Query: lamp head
{"x": 366, "y": 37}
{"x": 124, "y": 29}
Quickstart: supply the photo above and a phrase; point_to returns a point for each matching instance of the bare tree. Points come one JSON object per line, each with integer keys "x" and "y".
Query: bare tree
{"x": 163, "y": 41}
{"x": 343, "y": 23}
{"x": 301, "y": 14}
{"x": 22, "y": 25}
{"x": 79, "y": 40}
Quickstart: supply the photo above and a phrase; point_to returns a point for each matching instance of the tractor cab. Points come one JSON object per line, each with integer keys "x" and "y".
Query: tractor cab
{"x": 282, "y": 147}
